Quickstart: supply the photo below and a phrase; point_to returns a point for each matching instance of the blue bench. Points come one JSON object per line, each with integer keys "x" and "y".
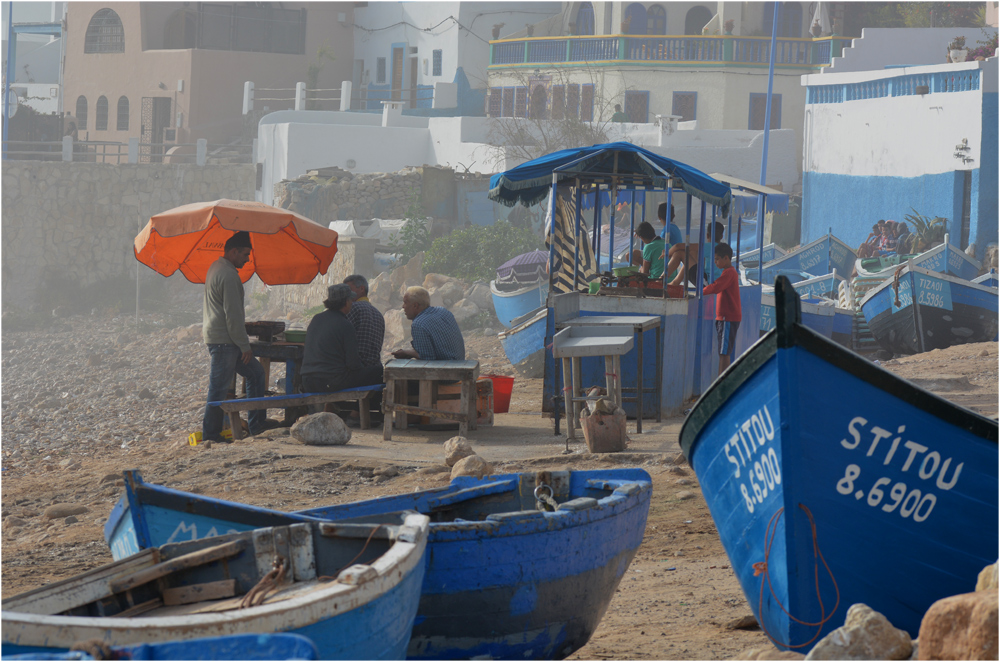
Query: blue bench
{"x": 360, "y": 394}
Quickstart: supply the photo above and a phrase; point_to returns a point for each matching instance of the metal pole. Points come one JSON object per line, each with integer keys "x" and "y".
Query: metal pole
{"x": 139, "y": 226}
{"x": 666, "y": 230}
{"x": 576, "y": 236}
{"x": 701, "y": 304}
{"x": 631, "y": 227}
{"x": 10, "y": 74}
{"x": 763, "y": 160}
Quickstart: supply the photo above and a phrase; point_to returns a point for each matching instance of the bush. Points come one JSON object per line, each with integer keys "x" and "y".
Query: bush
{"x": 474, "y": 253}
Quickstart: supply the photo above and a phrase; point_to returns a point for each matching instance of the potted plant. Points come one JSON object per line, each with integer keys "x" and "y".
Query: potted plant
{"x": 730, "y": 25}
{"x": 496, "y": 30}
{"x": 957, "y": 49}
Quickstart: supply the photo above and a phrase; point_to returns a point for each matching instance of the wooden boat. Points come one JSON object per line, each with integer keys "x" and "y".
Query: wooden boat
{"x": 819, "y": 257}
{"x": 506, "y": 576}
{"x": 234, "y": 647}
{"x": 989, "y": 279}
{"x": 819, "y": 318}
{"x": 919, "y": 310}
{"x": 751, "y": 259}
{"x": 833, "y": 482}
{"x": 524, "y": 343}
{"x": 826, "y": 286}
{"x": 943, "y": 258}
{"x": 351, "y": 588}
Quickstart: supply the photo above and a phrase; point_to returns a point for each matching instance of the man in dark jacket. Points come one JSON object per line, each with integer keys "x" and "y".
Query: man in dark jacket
{"x": 331, "y": 361}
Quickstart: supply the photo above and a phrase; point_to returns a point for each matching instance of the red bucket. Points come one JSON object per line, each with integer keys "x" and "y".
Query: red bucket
{"x": 502, "y": 388}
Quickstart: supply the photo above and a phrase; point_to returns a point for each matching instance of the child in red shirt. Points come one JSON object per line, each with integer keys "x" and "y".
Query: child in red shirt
{"x": 728, "y": 312}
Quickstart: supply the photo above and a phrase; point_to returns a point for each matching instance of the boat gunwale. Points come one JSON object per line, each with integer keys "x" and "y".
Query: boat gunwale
{"x": 523, "y": 290}
{"x": 393, "y": 568}
{"x": 714, "y": 399}
{"x": 915, "y": 268}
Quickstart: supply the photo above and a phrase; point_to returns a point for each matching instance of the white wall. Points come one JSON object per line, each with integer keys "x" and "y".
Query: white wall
{"x": 881, "y": 47}
{"x": 905, "y": 136}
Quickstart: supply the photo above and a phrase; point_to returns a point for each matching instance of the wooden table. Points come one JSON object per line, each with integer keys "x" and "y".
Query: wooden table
{"x": 639, "y": 324}
{"x": 398, "y": 372}
{"x": 575, "y": 342}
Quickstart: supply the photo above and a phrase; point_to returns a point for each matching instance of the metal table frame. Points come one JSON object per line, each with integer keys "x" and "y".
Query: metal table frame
{"x": 639, "y": 324}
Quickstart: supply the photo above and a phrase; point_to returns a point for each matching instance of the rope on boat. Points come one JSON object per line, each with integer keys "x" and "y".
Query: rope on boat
{"x": 95, "y": 648}
{"x": 327, "y": 578}
{"x": 761, "y": 568}
{"x": 258, "y": 593}
{"x": 895, "y": 285}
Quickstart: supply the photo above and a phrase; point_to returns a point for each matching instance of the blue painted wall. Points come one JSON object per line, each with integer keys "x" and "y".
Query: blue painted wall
{"x": 850, "y": 205}
{"x": 984, "y": 187}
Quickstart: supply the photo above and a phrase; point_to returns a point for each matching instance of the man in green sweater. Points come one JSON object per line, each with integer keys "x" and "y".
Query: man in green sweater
{"x": 224, "y": 332}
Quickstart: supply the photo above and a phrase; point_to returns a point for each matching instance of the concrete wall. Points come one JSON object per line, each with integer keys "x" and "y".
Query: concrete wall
{"x": 876, "y": 158}
{"x": 881, "y": 47}
{"x": 77, "y": 221}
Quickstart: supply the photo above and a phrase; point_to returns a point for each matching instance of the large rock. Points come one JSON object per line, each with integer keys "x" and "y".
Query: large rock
{"x": 434, "y": 281}
{"x": 61, "y": 510}
{"x": 987, "y": 579}
{"x": 397, "y": 328}
{"x": 480, "y": 295}
{"x": 408, "y": 275}
{"x": 456, "y": 449}
{"x": 322, "y": 429}
{"x": 463, "y": 310}
{"x": 865, "y": 635}
{"x": 962, "y": 627}
{"x": 380, "y": 291}
{"x": 471, "y": 466}
{"x": 768, "y": 653}
{"x": 447, "y": 294}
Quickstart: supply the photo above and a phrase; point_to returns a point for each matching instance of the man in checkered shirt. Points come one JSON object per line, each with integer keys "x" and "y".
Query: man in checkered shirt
{"x": 436, "y": 336}
{"x": 368, "y": 323}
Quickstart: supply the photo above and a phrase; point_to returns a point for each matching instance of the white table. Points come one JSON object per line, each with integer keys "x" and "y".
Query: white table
{"x": 639, "y": 324}
{"x": 575, "y": 342}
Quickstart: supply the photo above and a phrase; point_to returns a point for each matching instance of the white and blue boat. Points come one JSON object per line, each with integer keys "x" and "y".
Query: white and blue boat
{"x": 751, "y": 259}
{"x": 815, "y": 314}
{"x": 521, "y": 285}
{"x": 943, "y": 258}
{"x": 834, "y": 482}
{"x": 351, "y": 588}
{"x": 989, "y": 279}
{"x": 820, "y": 287}
{"x": 524, "y": 343}
{"x": 918, "y": 310}
{"x": 819, "y": 258}
{"x": 234, "y": 647}
{"x": 519, "y": 565}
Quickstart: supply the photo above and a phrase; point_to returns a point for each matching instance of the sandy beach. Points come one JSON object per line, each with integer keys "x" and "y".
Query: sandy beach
{"x": 91, "y": 396}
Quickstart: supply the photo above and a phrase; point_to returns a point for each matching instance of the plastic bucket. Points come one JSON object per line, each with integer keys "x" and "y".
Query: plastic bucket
{"x": 502, "y": 388}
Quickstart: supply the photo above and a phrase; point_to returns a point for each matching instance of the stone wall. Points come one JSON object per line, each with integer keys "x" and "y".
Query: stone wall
{"x": 75, "y": 222}
{"x": 337, "y": 194}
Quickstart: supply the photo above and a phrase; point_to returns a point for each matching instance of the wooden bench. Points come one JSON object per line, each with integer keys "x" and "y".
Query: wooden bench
{"x": 360, "y": 394}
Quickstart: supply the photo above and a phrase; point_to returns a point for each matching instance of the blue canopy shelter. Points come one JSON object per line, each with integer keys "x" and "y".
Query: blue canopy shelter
{"x": 609, "y": 170}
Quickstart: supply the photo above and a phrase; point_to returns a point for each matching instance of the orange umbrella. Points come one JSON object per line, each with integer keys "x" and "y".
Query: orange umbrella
{"x": 288, "y": 248}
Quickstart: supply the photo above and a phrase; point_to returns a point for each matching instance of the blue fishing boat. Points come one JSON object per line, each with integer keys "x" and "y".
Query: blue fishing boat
{"x": 834, "y": 482}
{"x": 943, "y": 258}
{"x": 819, "y": 258}
{"x": 751, "y": 259}
{"x": 519, "y": 565}
{"x": 820, "y": 287}
{"x": 524, "y": 343}
{"x": 233, "y": 647}
{"x": 521, "y": 286}
{"x": 815, "y": 315}
{"x": 351, "y": 588}
{"x": 989, "y": 279}
{"x": 843, "y": 327}
{"x": 918, "y": 310}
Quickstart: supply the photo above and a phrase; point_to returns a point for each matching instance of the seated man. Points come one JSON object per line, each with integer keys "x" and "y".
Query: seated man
{"x": 682, "y": 255}
{"x": 436, "y": 336}
{"x": 331, "y": 361}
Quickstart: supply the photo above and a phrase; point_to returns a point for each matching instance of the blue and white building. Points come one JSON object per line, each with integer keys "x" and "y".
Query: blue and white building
{"x": 883, "y": 143}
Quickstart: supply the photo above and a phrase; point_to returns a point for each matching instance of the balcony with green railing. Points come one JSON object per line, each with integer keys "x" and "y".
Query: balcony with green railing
{"x": 725, "y": 50}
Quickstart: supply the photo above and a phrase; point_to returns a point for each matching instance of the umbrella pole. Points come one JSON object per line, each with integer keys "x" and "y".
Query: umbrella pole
{"x": 139, "y": 225}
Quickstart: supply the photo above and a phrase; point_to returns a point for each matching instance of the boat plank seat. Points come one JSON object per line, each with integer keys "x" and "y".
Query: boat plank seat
{"x": 359, "y": 394}
{"x": 191, "y": 560}
{"x": 182, "y": 595}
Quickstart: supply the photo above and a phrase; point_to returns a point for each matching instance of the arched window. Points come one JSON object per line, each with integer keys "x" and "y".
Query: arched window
{"x": 122, "y": 124}
{"x": 656, "y": 20}
{"x": 101, "y": 114}
{"x": 81, "y": 113}
{"x": 697, "y": 18}
{"x": 105, "y": 33}
{"x": 585, "y": 19}
{"x": 789, "y": 20}
{"x": 635, "y": 19}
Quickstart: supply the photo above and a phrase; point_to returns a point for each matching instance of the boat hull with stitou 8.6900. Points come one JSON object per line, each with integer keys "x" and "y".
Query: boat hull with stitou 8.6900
{"x": 882, "y": 494}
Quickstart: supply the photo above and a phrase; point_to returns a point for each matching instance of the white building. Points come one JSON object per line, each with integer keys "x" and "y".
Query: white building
{"x": 883, "y": 143}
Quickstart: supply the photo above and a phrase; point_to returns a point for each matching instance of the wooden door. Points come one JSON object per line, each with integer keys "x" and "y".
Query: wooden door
{"x": 413, "y": 82}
